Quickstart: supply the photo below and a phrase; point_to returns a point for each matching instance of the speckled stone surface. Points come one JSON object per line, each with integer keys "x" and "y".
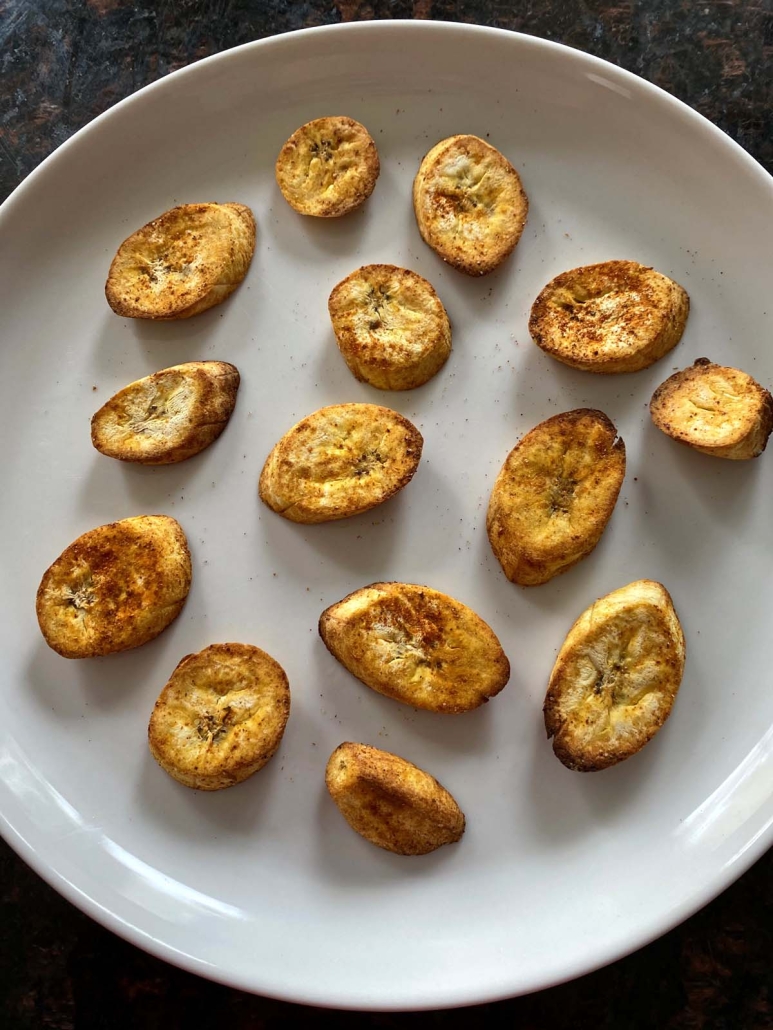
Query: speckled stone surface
{"x": 62, "y": 63}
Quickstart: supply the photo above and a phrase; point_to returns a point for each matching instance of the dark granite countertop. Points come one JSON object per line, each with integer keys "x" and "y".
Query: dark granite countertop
{"x": 65, "y": 61}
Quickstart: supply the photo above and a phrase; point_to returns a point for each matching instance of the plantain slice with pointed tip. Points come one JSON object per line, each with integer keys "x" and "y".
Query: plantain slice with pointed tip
{"x": 615, "y": 678}
{"x": 416, "y": 645}
{"x": 168, "y": 416}
{"x": 220, "y": 717}
{"x": 328, "y": 167}
{"x": 340, "y": 461}
{"x": 714, "y": 409}
{"x": 391, "y": 802}
{"x": 617, "y": 316}
{"x": 469, "y": 203}
{"x": 555, "y": 495}
{"x": 183, "y": 262}
{"x": 391, "y": 327}
{"x": 115, "y": 587}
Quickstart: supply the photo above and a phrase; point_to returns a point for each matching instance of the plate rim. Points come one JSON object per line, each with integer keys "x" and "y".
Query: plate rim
{"x": 134, "y": 934}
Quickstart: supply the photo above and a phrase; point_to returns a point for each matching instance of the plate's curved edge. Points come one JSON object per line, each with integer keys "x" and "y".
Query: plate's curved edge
{"x": 446, "y": 997}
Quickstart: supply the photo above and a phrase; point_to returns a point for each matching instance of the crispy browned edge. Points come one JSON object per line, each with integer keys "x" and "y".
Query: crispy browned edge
{"x": 694, "y": 371}
{"x": 578, "y": 762}
{"x": 98, "y": 652}
{"x": 618, "y": 445}
{"x": 225, "y": 381}
{"x": 502, "y": 661}
{"x": 608, "y": 365}
{"x": 349, "y": 344}
{"x": 216, "y": 294}
{"x": 241, "y": 771}
{"x": 371, "y": 169}
{"x": 471, "y": 266}
{"x": 374, "y": 780}
{"x": 414, "y": 446}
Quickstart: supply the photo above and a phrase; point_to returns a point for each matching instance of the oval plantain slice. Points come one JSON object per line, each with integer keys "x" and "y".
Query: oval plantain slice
{"x": 168, "y": 416}
{"x": 328, "y": 167}
{"x": 115, "y": 587}
{"x": 183, "y": 262}
{"x": 220, "y": 717}
{"x": 417, "y": 646}
{"x": 554, "y": 495}
{"x": 714, "y": 409}
{"x": 391, "y": 802}
{"x": 615, "y": 678}
{"x": 617, "y": 316}
{"x": 391, "y": 327}
{"x": 469, "y": 203}
{"x": 340, "y": 461}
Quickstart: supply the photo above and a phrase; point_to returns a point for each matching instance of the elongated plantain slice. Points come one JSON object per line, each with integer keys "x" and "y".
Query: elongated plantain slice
{"x": 714, "y": 409}
{"x": 554, "y": 495}
{"x": 220, "y": 717}
{"x": 115, "y": 587}
{"x": 618, "y": 316}
{"x": 615, "y": 678}
{"x": 340, "y": 461}
{"x": 469, "y": 203}
{"x": 390, "y": 802}
{"x": 391, "y": 327}
{"x": 168, "y": 416}
{"x": 183, "y": 262}
{"x": 328, "y": 167}
{"x": 417, "y": 646}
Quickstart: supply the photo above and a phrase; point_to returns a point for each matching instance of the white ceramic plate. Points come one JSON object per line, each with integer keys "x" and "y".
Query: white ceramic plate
{"x": 264, "y": 886}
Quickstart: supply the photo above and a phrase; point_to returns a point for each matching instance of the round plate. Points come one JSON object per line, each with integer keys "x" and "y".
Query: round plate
{"x": 264, "y": 886}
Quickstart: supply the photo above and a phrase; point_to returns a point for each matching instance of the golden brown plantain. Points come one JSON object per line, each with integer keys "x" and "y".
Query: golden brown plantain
{"x": 417, "y": 646}
{"x": 328, "y": 167}
{"x": 115, "y": 587}
{"x": 391, "y": 327}
{"x": 220, "y": 717}
{"x": 390, "y": 802}
{"x": 617, "y": 316}
{"x": 615, "y": 678}
{"x": 554, "y": 495}
{"x": 183, "y": 262}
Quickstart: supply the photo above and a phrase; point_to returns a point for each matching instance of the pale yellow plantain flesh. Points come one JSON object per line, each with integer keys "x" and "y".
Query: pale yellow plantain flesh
{"x": 469, "y": 203}
{"x": 115, "y": 587}
{"x": 615, "y": 678}
{"x": 183, "y": 262}
{"x": 168, "y": 416}
{"x": 555, "y": 495}
{"x": 617, "y": 316}
{"x": 716, "y": 410}
{"x": 417, "y": 646}
{"x": 339, "y": 461}
{"x": 391, "y": 327}
{"x": 220, "y": 717}
{"x": 328, "y": 167}
{"x": 390, "y": 802}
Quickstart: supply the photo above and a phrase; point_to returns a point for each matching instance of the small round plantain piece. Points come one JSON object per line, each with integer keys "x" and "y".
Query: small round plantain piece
{"x": 714, "y": 409}
{"x": 617, "y": 316}
{"x": 391, "y": 802}
{"x": 168, "y": 416}
{"x": 340, "y": 461}
{"x": 469, "y": 203}
{"x": 328, "y": 167}
{"x": 554, "y": 495}
{"x": 183, "y": 262}
{"x": 417, "y": 646}
{"x": 391, "y": 327}
{"x": 115, "y": 587}
{"x": 615, "y": 678}
{"x": 220, "y": 717}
